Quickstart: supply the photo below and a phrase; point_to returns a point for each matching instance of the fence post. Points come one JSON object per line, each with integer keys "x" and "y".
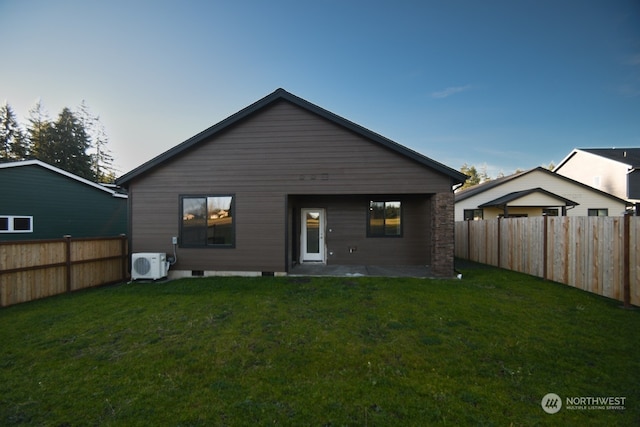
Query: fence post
{"x": 67, "y": 243}
{"x": 468, "y": 224}
{"x": 626, "y": 275}
{"x": 123, "y": 256}
{"x": 499, "y": 240}
{"x": 545, "y": 243}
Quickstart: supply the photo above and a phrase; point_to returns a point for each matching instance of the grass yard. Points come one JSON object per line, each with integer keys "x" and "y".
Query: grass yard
{"x": 319, "y": 351}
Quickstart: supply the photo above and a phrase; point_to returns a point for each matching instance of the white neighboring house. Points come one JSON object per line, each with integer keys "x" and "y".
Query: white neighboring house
{"x": 613, "y": 170}
{"x": 535, "y": 192}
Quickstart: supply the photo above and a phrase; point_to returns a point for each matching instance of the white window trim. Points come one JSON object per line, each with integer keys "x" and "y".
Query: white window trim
{"x": 10, "y": 220}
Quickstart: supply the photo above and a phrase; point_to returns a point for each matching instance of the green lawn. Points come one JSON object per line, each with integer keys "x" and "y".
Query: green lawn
{"x": 319, "y": 351}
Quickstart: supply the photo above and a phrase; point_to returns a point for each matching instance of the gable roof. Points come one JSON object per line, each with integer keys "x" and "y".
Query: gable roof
{"x": 281, "y": 94}
{"x": 480, "y": 188}
{"x": 39, "y": 163}
{"x": 627, "y": 156}
{"x": 504, "y": 200}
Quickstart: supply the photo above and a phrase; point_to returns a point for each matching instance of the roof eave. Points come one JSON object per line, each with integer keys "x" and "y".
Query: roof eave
{"x": 565, "y": 160}
{"x": 516, "y": 195}
{"x": 40, "y": 163}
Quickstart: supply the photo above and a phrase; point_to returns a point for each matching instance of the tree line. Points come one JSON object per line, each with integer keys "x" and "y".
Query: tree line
{"x": 479, "y": 176}
{"x": 75, "y": 142}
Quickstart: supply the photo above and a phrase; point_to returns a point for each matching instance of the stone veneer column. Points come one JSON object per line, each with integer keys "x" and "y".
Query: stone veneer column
{"x": 442, "y": 234}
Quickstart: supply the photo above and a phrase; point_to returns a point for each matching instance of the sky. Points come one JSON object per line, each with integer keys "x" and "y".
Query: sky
{"x": 499, "y": 84}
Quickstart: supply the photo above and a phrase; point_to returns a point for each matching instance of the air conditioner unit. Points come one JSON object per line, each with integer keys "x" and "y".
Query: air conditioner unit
{"x": 148, "y": 265}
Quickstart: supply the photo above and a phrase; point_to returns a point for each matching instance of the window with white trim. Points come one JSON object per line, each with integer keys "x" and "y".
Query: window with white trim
{"x": 473, "y": 214}
{"x": 16, "y": 224}
{"x": 598, "y": 212}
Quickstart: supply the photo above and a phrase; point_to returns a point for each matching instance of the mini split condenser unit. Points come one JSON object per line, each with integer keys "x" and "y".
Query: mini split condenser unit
{"x": 148, "y": 265}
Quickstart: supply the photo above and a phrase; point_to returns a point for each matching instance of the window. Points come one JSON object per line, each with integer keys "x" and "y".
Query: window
{"x": 473, "y": 214}
{"x": 384, "y": 219}
{"x": 598, "y": 212}
{"x": 207, "y": 221}
{"x": 16, "y": 224}
{"x": 596, "y": 182}
{"x": 550, "y": 212}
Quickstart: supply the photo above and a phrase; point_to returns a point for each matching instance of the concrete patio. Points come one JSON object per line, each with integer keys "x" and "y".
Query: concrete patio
{"x": 360, "y": 270}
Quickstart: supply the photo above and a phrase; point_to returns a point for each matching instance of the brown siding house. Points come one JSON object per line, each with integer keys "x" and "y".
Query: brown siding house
{"x": 284, "y": 182}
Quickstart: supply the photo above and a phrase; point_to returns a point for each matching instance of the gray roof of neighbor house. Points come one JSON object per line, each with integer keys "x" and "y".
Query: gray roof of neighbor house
{"x": 629, "y": 156}
{"x": 479, "y": 188}
{"x": 504, "y": 200}
{"x": 476, "y": 189}
{"x": 281, "y": 94}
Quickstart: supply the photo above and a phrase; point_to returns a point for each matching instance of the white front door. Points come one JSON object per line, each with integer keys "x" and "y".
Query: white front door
{"x": 312, "y": 246}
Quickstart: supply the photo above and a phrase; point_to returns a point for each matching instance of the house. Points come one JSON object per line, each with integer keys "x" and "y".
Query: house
{"x": 40, "y": 201}
{"x": 613, "y": 170}
{"x": 534, "y": 192}
{"x": 284, "y": 182}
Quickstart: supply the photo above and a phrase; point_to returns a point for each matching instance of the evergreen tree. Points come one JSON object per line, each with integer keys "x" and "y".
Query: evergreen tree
{"x": 39, "y": 132}
{"x": 13, "y": 143}
{"x": 76, "y": 142}
{"x": 70, "y": 143}
{"x": 475, "y": 177}
{"x": 101, "y": 158}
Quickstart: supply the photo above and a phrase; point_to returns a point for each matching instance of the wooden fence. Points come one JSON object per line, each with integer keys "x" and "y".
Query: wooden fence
{"x": 595, "y": 254}
{"x": 40, "y": 268}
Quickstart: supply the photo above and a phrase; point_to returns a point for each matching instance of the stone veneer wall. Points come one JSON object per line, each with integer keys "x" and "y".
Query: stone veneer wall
{"x": 442, "y": 232}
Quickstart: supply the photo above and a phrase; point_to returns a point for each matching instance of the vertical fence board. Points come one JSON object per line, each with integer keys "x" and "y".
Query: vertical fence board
{"x": 616, "y": 258}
